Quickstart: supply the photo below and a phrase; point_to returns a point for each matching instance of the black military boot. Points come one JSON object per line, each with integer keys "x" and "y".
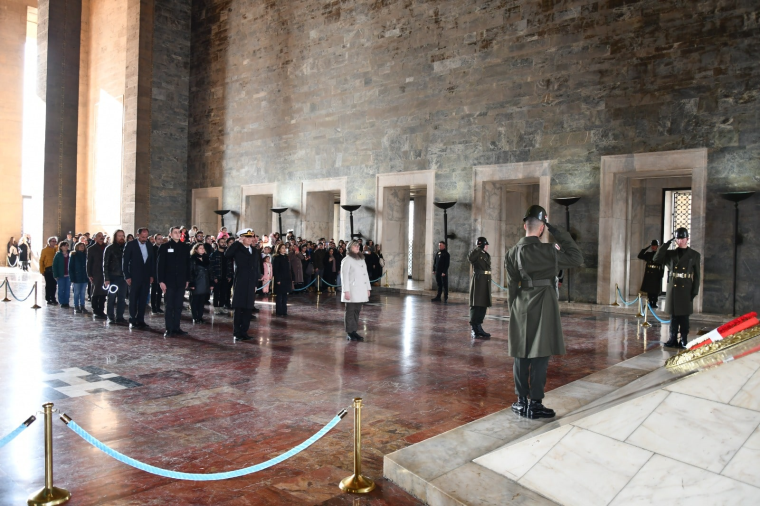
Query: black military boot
{"x": 521, "y": 406}
{"x": 537, "y": 410}
{"x": 673, "y": 341}
{"x": 483, "y": 332}
{"x": 475, "y": 333}
{"x": 684, "y": 340}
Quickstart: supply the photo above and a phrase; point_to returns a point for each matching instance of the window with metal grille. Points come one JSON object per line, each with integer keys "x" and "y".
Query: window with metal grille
{"x": 681, "y": 209}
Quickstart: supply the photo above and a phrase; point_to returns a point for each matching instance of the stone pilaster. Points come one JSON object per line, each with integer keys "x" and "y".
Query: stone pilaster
{"x": 58, "y": 42}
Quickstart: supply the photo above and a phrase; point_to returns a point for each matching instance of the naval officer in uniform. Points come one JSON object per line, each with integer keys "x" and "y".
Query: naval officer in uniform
{"x": 247, "y": 274}
{"x": 480, "y": 288}
{"x": 652, "y": 282}
{"x": 683, "y": 264}
{"x": 535, "y": 330}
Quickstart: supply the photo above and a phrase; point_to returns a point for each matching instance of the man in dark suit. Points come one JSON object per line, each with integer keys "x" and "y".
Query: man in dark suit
{"x": 95, "y": 273}
{"x": 173, "y": 274}
{"x": 155, "y": 289}
{"x": 247, "y": 273}
{"x": 441, "y": 271}
{"x": 139, "y": 266}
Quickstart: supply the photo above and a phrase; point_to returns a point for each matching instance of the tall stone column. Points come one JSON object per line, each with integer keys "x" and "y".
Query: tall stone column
{"x": 58, "y": 42}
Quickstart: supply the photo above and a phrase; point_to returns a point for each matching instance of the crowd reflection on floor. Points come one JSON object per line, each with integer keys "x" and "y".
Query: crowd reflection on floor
{"x": 203, "y": 403}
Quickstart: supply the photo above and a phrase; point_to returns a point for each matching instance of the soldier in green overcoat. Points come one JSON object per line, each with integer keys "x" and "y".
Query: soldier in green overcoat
{"x": 480, "y": 288}
{"x": 683, "y": 284}
{"x": 535, "y": 330}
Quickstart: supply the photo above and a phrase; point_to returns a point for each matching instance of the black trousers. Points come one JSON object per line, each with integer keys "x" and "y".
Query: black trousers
{"x": 241, "y": 321}
{"x": 138, "y": 294}
{"x": 443, "y": 285}
{"x": 174, "y": 300}
{"x": 197, "y": 302}
{"x": 51, "y": 286}
{"x": 116, "y": 301}
{"x": 281, "y": 301}
{"x": 222, "y": 293}
{"x": 477, "y": 314}
{"x": 652, "y": 298}
{"x": 530, "y": 377}
{"x": 351, "y": 318}
{"x": 679, "y": 324}
{"x": 155, "y": 297}
{"x": 98, "y": 304}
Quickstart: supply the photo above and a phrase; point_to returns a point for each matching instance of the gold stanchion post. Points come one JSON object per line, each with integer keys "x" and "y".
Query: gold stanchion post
{"x": 319, "y": 284}
{"x": 616, "y": 296}
{"x": 356, "y": 483}
{"x": 645, "y": 300}
{"x": 6, "y": 299}
{"x": 387, "y": 285}
{"x": 640, "y": 313}
{"x": 49, "y": 495}
{"x": 35, "y": 306}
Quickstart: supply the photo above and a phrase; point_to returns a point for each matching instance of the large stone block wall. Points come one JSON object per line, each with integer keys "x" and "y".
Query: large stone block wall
{"x": 291, "y": 91}
{"x": 169, "y": 113}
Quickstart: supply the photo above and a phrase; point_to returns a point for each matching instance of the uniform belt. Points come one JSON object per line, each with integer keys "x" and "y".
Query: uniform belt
{"x": 537, "y": 282}
{"x": 654, "y": 266}
{"x": 482, "y": 272}
{"x": 681, "y": 275}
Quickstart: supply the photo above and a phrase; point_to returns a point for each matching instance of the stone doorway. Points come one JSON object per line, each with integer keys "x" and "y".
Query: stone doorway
{"x": 625, "y": 193}
{"x": 257, "y": 201}
{"x": 321, "y": 212}
{"x": 205, "y": 202}
{"x": 502, "y": 194}
{"x": 394, "y": 194}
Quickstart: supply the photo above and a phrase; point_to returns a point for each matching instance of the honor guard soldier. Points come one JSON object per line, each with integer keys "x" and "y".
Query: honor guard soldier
{"x": 683, "y": 264}
{"x": 535, "y": 330}
{"x": 441, "y": 272}
{"x": 652, "y": 283}
{"x": 480, "y": 288}
{"x": 247, "y": 274}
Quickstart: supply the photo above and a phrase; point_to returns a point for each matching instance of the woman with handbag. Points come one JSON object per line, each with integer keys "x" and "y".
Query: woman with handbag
{"x": 356, "y": 288}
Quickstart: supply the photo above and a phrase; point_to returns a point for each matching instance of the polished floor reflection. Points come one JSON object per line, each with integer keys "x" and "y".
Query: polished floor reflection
{"x": 202, "y": 403}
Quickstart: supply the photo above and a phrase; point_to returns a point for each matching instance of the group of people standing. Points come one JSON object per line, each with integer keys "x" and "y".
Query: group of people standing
{"x": 148, "y": 269}
{"x": 19, "y": 253}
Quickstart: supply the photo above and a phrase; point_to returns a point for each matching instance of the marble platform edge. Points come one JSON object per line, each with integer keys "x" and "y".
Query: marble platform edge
{"x": 425, "y": 480}
{"x": 707, "y": 318}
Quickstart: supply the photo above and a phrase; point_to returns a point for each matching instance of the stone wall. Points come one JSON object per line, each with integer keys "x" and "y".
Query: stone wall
{"x": 169, "y": 113}
{"x": 291, "y": 91}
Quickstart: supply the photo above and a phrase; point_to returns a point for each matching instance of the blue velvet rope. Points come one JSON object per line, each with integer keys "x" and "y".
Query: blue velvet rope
{"x": 197, "y": 476}
{"x": 14, "y": 295}
{"x": 337, "y": 286}
{"x": 497, "y": 284}
{"x": 626, "y": 302}
{"x": 262, "y": 286}
{"x": 655, "y": 315}
{"x": 305, "y": 287}
{"x": 10, "y": 437}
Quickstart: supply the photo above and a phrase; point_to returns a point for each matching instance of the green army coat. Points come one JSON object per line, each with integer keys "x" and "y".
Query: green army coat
{"x": 535, "y": 329}
{"x": 681, "y": 290}
{"x": 480, "y": 283}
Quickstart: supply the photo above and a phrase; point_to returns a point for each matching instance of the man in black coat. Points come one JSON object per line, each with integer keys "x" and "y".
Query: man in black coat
{"x": 652, "y": 282}
{"x": 95, "y": 273}
{"x": 221, "y": 275}
{"x": 155, "y": 289}
{"x": 139, "y": 266}
{"x": 441, "y": 271}
{"x": 247, "y": 260}
{"x": 113, "y": 278}
{"x": 173, "y": 274}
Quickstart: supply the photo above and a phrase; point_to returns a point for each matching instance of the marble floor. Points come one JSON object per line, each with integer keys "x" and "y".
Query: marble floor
{"x": 203, "y": 403}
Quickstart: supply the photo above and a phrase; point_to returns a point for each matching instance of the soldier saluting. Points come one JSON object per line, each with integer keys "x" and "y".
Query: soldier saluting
{"x": 683, "y": 284}
{"x": 652, "y": 282}
{"x": 535, "y": 330}
{"x": 480, "y": 288}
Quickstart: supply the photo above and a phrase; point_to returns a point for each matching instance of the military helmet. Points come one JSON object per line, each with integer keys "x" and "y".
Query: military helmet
{"x": 537, "y": 212}
{"x": 482, "y": 241}
{"x": 682, "y": 233}
{"x": 655, "y": 242}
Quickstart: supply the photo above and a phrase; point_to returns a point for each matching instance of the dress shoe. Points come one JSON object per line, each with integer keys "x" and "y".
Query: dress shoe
{"x": 51, "y": 303}
{"x": 121, "y": 320}
{"x": 242, "y": 337}
{"x": 521, "y": 406}
{"x": 83, "y": 310}
{"x": 353, "y": 336}
{"x": 99, "y": 316}
{"x": 159, "y": 311}
{"x": 168, "y": 333}
{"x": 683, "y": 342}
{"x": 132, "y": 326}
{"x": 77, "y": 310}
{"x": 436, "y": 299}
{"x": 537, "y": 410}
{"x": 672, "y": 343}
{"x": 180, "y": 332}
{"x": 142, "y": 326}
{"x": 476, "y": 334}
{"x": 65, "y": 306}
{"x": 483, "y": 332}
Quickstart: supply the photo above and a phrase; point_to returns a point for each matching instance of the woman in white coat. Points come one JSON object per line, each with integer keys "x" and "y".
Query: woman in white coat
{"x": 356, "y": 288}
